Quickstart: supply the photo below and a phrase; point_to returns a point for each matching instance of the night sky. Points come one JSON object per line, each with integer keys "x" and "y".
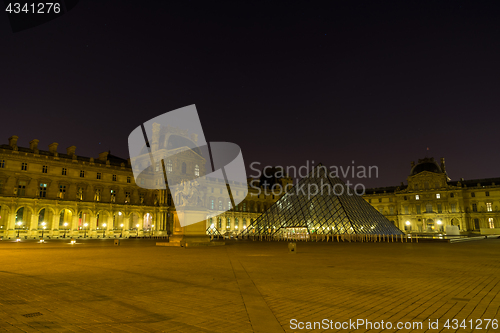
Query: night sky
{"x": 374, "y": 82}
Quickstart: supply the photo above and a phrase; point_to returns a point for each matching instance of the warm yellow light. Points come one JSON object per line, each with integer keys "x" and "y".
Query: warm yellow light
{"x": 85, "y": 225}
{"x": 121, "y": 225}
{"x": 407, "y": 222}
{"x": 153, "y": 226}
{"x": 120, "y": 213}
{"x": 43, "y": 223}
{"x": 19, "y": 223}
{"x": 439, "y": 222}
{"x": 137, "y": 225}
{"x": 104, "y": 225}
{"x": 65, "y": 224}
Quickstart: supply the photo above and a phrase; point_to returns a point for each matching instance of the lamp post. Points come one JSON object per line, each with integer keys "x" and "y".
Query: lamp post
{"x": 85, "y": 230}
{"x": 65, "y": 229}
{"x": 121, "y": 233}
{"x": 152, "y": 230}
{"x": 19, "y": 227}
{"x": 137, "y": 227}
{"x": 43, "y": 228}
{"x": 103, "y": 230}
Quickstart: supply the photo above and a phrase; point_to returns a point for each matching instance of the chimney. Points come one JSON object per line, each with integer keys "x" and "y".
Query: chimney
{"x": 443, "y": 166}
{"x": 104, "y": 156}
{"x": 53, "y": 148}
{"x": 34, "y": 145}
{"x": 71, "y": 150}
{"x": 13, "y": 141}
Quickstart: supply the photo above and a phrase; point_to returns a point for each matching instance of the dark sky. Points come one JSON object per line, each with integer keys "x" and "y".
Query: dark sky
{"x": 374, "y": 82}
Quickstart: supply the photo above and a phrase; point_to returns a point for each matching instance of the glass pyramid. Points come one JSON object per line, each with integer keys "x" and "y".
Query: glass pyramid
{"x": 320, "y": 204}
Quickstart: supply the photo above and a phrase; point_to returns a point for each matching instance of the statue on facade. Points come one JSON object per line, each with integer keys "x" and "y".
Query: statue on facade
{"x": 189, "y": 193}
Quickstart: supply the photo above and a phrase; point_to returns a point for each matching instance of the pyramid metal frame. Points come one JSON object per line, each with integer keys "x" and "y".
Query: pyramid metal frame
{"x": 323, "y": 213}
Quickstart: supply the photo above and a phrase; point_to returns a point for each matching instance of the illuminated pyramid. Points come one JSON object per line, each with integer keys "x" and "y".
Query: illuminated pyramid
{"x": 322, "y": 205}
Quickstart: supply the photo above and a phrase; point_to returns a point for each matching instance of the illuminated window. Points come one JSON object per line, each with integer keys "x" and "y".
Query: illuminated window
{"x": 128, "y": 180}
{"x": 220, "y": 204}
{"x": 114, "y": 178}
{"x": 229, "y": 204}
{"x": 169, "y": 166}
{"x": 228, "y": 223}
{"x": 43, "y": 190}
{"x": 196, "y": 170}
{"x": 62, "y": 191}
{"x": 417, "y": 197}
{"x": 244, "y": 223}
{"x": 236, "y": 223}
{"x": 24, "y": 166}
{"x": 490, "y": 223}
{"x": 99, "y": 175}
{"x": 44, "y": 169}
{"x": 474, "y": 207}
{"x": 219, "y": 222}
{"x": 438, "y": 196}
{"x": 82, "y": 173}
{"x": 488, "y": 207}
{"x": 212, "y": 204}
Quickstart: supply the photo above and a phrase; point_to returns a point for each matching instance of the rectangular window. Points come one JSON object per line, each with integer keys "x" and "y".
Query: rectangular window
{"x": 440, "y": 208}
{"x": 113, "y": 195}
{"x": 244, "y": 206}
{"x": 43, "y": 190}
{"x": 488, "y": 207}
{"x": 390, "y": 199}
{"x": 473, "y": 195}
{"x": 114, "y": 178}
{"x": 407, "y": 210}
{"x": 391, "y": 210}
{"x": 24, "y": 166}
{"x": 453, "y": 208}
{"x": 79, "y": 193}
{"x": 97, "y": 195}
{"x": 2, "y": 164}
{"x": 452, "y": 195}
{"x": 99, "y": 175}
{"x": 379, "y": 200}
{"x": 476, "y": 224}
{"x": 487, "y": 194}
{"x": 212, "y": 204}
{"x": 490, "y": 223}
{"x": 219, "y": 222}
{"x": 228, "y": 223}
{"x": 64, "y": 171}
{"x": 417, "y": 197}
{"x": 44, "y": 169}
{"x": 127, "y": 197}
{"x": 428, "y": 208}
{"x": 418, "y": 209}
{"x": 474, "y": 207}
{"x": 128, "y": 180}
{"x": 82, "y": 173}
{"x": 405, "y": 198}
{"x": 62, "y": 191}
{"x": 220, "y": 204}
{"x": 438, "y": 196}
{"x": 21, "y": 188}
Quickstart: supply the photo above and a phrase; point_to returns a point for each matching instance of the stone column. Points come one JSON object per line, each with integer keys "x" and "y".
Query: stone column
{"x": 33, "y": 228}
{"x": 93, "y": 226}
{"x": 74, "y": 225}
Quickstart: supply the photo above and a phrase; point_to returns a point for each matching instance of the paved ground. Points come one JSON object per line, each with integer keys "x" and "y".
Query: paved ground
{"x": 244, "y": 286}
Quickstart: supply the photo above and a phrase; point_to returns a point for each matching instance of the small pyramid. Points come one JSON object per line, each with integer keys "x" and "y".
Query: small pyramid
{"x": 322, "y": 204}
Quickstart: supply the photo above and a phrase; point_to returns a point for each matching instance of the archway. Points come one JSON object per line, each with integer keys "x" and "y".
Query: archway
{"x": 22, "y": 218}
{"x": 147, "y": 222}
{"x": 455, "y": 222}
{"x": 429, "y": 225}
{"x": 45, "y": 218}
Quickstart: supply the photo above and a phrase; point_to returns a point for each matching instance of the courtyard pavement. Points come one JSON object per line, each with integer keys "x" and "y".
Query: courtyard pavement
{"x": 245, "y": 286}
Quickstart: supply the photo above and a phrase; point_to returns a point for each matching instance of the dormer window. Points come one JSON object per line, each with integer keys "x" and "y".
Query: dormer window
{"x": 417, "y": 197}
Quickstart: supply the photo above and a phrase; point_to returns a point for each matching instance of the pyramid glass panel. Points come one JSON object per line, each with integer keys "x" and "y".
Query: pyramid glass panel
{"x": 322, "y": 205}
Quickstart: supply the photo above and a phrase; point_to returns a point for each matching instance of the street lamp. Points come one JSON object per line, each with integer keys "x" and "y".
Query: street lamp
{"x": 65, "y": 229}
{"x": 152, "y": 230}
{"x": 121, "y": 233}
{"x": 85, "y": 230}
{"x": 43, "y": 228}
{"x": 19, "y": 227}
{"x": 103, "y": 229}
{"x": 137, "y": 226}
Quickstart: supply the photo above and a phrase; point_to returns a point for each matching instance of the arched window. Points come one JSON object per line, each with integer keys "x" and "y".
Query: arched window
{"x": 236, "y": 223}
{"x": 212, "y": 203}
{"x": 229, "y": 204}
{"x": 196, "y": 170}
{"x": 244, "y": 223}
{"x": 169, "y": 166}
{"x": 184, "y": 167}
{"x": 219, "y": 220}
{"x": 210, "y": 221}
{"x": 228, "y": 223}
{"x": 220, "y": 204}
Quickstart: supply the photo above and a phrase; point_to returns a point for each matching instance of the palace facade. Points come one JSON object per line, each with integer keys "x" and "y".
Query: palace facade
{"x": 63, "y": 194}
{"x": 431, "y": 201}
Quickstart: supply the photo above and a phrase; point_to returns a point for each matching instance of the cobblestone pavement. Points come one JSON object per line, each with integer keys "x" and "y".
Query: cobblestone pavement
{"x": 244, "y": 286}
